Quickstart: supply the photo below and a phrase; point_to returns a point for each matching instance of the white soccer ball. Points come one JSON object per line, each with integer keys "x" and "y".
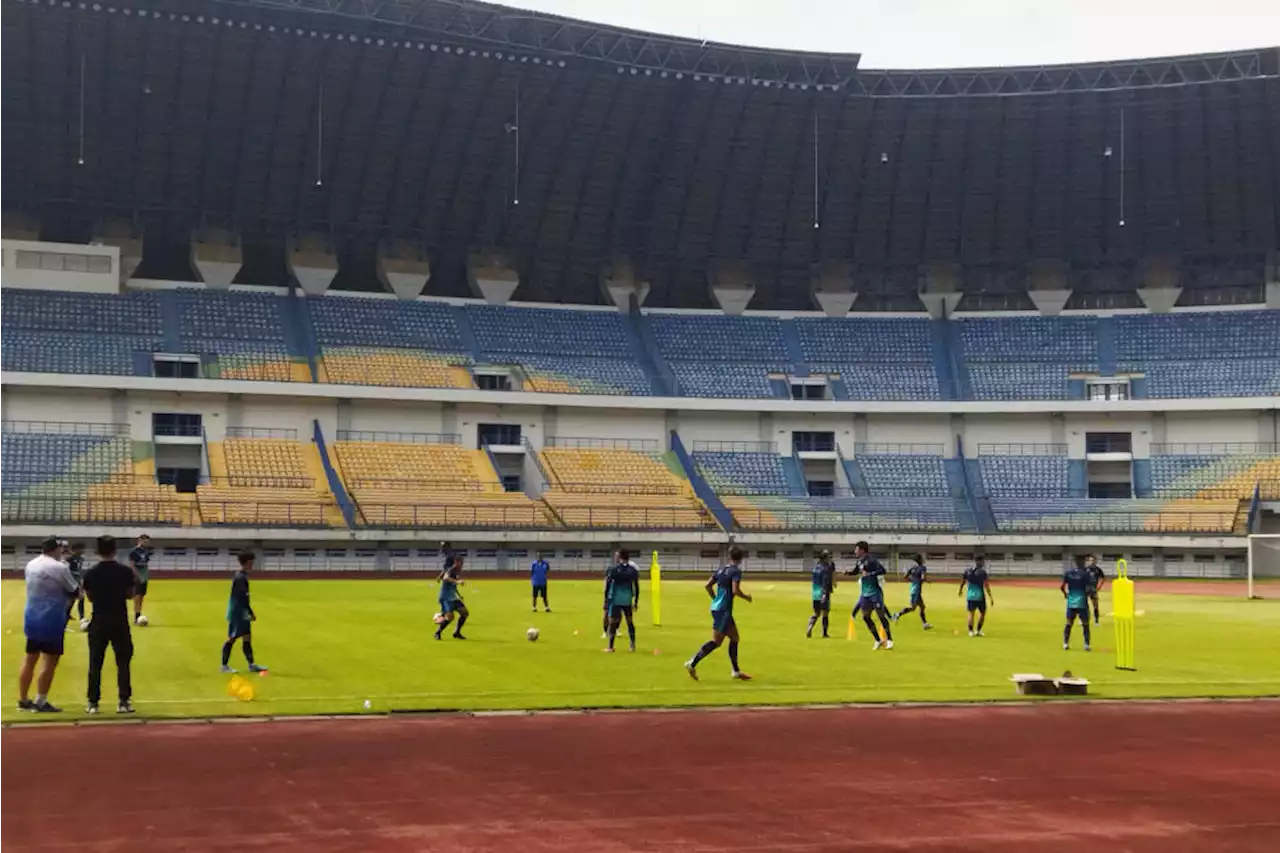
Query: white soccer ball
{"x": 84, "y": 624}
{"x": 532, "y": 634}
{"x": 143, "y": 621}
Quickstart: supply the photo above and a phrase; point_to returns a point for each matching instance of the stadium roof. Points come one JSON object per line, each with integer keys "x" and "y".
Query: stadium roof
{"x": 446, "y": 127}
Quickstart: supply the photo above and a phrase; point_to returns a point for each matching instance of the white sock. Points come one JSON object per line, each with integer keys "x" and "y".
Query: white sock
{"x": 41, "y": 698}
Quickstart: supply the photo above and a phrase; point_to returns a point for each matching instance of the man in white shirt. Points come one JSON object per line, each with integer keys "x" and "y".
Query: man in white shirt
{"x": 50, "y": 590}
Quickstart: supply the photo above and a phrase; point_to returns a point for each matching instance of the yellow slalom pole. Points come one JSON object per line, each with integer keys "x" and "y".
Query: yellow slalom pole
{"x": 852, "y": 632}
{"x": 1122, "y": 603}
{"x": 655, "y": 587}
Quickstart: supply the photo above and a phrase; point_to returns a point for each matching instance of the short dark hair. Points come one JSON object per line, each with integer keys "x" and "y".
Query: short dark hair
{"x": 1081, "y": 559}
{"x": 735, "y": 554}
{"x": 144, "y": 536}
{"x": 623, "y": 555}
{"x": 106, "y": 546}
{"x": 245, "y": 557}
{"x": 863, "y": 545}
{"x": 77, "y": 546}
{"x": 824, "y": 554}
{"x": 50, "y": 545}
{"x": 919, "y": 558}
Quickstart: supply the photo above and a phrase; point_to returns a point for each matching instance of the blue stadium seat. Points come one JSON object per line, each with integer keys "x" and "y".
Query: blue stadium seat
{"x": 1042, "y": 476}
{"x": 747, "y": 473}
{"x": 355, "y": 321}
{"x": 898, "y": 474}
{"x": 1026, "y": 358}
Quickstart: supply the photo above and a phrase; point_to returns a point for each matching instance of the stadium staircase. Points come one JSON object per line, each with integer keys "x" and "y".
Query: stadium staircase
{"x": 1107, "y": 360}
{"x": 984, "y": 517}
{"x": 953, "y": 373}
{"x": 300, "y": 338}
{"x": 795, "y": 476}
{"x": 958, "y": 485}
{"x": 470, "y": 343}
{"x": 646, "y": 353}
{"x": 853, "y": 473}
{"x": 701, "y": 487}
{"x": 795, "y": 351}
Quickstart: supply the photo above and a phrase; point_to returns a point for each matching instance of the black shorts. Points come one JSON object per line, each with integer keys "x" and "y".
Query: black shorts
{"x": 539, "y": 589}
{"x": 980, "y": 604}
{"x": 617, "y": 611}
{"x": 45, "y": 647}
{"x": 1082, "y": 612}
{"x": 140, "y": 588}
{"x": 822, "y": 605}
{"x": 239, "y": 628}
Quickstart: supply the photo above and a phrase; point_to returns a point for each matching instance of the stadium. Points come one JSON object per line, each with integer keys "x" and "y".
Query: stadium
{"x": 339, "y": 283}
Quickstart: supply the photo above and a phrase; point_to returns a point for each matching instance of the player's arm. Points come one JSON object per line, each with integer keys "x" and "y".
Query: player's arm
{"x": 737, "y": 591}
{"x": 635, "y": 592}
{"x": 1102, "y": 581}
{"x": 986, "y": 588}
{"x": 963, "y": 580}
{"x": 1062, "y": 587}
{"x": 710, "y": 587}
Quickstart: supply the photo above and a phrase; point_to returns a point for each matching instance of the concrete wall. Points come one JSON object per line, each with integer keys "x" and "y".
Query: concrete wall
{"x": 1198, "y": 428}
{"x": 575, "y": 423}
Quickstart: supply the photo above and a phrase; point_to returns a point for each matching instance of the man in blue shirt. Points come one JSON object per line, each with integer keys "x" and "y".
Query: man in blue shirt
{"x": 723, "y": 587}
{"x": 50, "y": 590}
{"x": 538, "y": 577}
{"x": 1075, "y": 589}
{"x": 917, "y": 577}
{"x": 977, "y": 590}
{"x": 622, "y": 592}
{"x": 869, "y": 571}
{"x": 823, "y": 584}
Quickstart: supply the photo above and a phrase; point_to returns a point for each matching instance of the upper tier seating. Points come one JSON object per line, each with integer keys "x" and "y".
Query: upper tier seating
{"x": 1202, "y": 354}
{"x": 717, "y": 356}
{"x": 1026, "y": 358}
{"x": 620, "y": 489}
{"x": 746, "y": 473}
{"x": 887, "y": 358}
{"x": 73, "y": 352}
{"x": 354, "y": 321}
{"x": 242, "y": 333}
{"x": 404, "y": 368}
{"x": 431, "y": 485}
{"x": 579, "y": 374}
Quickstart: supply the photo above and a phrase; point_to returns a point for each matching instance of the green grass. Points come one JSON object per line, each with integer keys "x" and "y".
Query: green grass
{"x": 332, "y": 644}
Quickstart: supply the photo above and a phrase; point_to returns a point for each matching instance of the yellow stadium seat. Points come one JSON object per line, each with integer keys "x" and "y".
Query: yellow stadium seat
{"x": 269, "y": 482}
{"x": 611, "y": 488}
{"x": 401, "y": 368}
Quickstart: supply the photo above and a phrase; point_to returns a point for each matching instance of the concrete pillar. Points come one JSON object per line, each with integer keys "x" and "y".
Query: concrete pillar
{"x": 1047, "y": 285}
{"x": 492, "y": 275}
{"x": 1271, "y": 281}
{"x": 312, "y": 263}
{"x": 19, "y": 226}
{"x": 217, "y": 255}
{"x": 831, "y": 286}
{"x": 619, "y": 281}
{"x": 732, "y": 285}
{"x": 1161, "y": 285}
{"x": 403, "y": 268}
{"x": 940, "y": 290}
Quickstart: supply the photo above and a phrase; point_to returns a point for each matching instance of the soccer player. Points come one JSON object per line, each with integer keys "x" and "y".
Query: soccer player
{"x": 1097, "y": 578}
{"x": 977, "y": 588}
{"x": 450, "y": 599}
{"x": 723, "y": 587}
{"x": 140, "y": 559}
{"x": 75, "y": 562}
{"x": 538, "y": 577}
{"x": 622, "y": 591}
{"x": 824, "y": 583}
{"x": 109, "y": 585}
{"x": 1075, "y": 589}
{"x": 50, "y": 589}
{"x": 917, "y": 576}
{"x": 240, "y": 616}
{"x": 868, "y": 570}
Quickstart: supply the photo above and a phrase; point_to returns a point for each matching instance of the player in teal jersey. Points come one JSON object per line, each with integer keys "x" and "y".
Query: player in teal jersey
{"x": 451, "y": 599}
{"x": 1075, "y": 589}
{"x": 824, "y": 583}
{"x": 240, "y": 616}
{"x": 917, "y": 576}
{"x": 723, "y": 587}
{"x": 976, "y": 588}
{"x": 622, "y": 597}
{"x": 869, "y": 571}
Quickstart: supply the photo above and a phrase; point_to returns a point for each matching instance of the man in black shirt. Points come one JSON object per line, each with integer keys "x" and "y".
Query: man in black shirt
{"x": 110, "y": 585}
{"x": 140, "y": 559}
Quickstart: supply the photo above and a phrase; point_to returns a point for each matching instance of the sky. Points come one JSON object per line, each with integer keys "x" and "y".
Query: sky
{"x": 950, "y": 33}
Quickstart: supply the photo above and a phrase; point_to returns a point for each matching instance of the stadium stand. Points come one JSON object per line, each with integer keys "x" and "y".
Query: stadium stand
{"x": 266, "y": 478}
{"x": 1217, "y": 471}
{"x": 90, "y": 333}
{"x": 238, "y": 335}
{"x": 603, "y": 484}
{"x": 718, "y": 356}
{"x": 424, "y": 481}
{"x": 566, "y": 351}
{"x": 404, "y": 368}
{"x": 1204, "y": 354}
{"x": 1026, "y": 358}
{"x": 366, "y": 341}
{"x": 878, "y": 359}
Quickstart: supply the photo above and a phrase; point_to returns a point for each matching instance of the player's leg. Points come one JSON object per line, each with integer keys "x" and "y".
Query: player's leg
{"x": 97, "y": 654}
{"x": 972, "y": 606}
{"x": 1084, "y": 628}
{"x": 227, "y": 647}
{"x": 826, "y": 616}
{"x": 924, "y": 619}
{"x": 883, "y": 613}
{"x": 867, "y": 608}
{"x": 1097, "y": 617}
{"x": 140, "y": 594}
{"x": 1066, "y": 629}
{"x": 446, "y": 616}
{"x": 122, "y": 648}
{"x": 463, "y": 613}
{"x": 80, "y": 605}
{"x": 246, "y": 647}
{"x": 732, "y": 634}
{"x": 25, "y": 676}
{"x": 546, "y": 605}
{"x": 535, "y": 598}
{"x": 717, "y": 637}
{"x": 614, "y": 620}
{"x": 813, "y": 620}
{"x": 44, "y": 679}
{"x": 982, "y": 616}
{"x": 629, "y": 612}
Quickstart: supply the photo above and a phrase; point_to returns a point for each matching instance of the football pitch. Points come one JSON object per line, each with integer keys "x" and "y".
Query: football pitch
{"x": 333, "y": 645}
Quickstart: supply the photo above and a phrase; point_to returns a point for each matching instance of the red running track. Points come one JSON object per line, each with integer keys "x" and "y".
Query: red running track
{"x": 1172, "y": 778}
